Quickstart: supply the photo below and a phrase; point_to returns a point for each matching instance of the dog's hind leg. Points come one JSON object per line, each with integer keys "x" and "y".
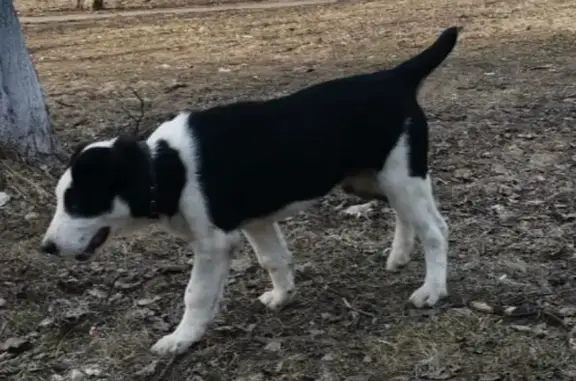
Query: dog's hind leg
{"x": 412, "y": 199}
{"x": 273, "y": 255}
{"x": 402, "y": 245}
{"x": 203, "y": 293}
{"x": 366, "y": 185}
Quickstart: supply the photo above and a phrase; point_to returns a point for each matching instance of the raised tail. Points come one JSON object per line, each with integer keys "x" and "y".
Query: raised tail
{"x": 417, "y": 68}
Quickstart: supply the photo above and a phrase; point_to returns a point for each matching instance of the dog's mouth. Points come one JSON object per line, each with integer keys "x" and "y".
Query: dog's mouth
{"x": 96, "y": 242}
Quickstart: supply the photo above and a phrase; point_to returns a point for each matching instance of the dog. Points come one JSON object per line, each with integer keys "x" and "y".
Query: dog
{"x": 214, "y": 175}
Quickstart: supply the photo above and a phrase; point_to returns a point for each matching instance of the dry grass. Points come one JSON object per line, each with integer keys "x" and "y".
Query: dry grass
{"x": 502, "y": 111}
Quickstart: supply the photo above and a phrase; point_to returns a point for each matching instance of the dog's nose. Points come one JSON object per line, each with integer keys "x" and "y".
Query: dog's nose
{"x": 49, "y": 247}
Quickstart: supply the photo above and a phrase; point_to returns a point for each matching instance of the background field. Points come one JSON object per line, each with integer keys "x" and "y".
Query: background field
{"x": 45, "y": 7}
{"x": 502, "y": 112}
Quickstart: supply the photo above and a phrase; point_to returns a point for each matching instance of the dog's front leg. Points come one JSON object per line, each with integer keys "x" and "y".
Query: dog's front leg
{"x": 273, "y": 255}
{"x": 201, "y": 298}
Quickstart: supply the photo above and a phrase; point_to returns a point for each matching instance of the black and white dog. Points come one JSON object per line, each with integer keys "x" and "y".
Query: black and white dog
{"x": 212, "y": 175}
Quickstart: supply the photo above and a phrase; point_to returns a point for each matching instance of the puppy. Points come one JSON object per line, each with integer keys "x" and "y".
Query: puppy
{"x": 210, "y": 176}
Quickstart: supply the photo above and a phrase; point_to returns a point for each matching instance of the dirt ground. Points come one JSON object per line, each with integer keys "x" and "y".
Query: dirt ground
{"x": 502, "y": 111}
{"x": 47, "y": 7}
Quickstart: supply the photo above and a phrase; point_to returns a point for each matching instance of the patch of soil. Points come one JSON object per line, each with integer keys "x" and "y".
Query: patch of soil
{"x": 501, "y": 112}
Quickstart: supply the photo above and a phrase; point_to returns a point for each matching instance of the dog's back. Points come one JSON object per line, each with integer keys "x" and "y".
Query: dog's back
{"x": 256, "y": 157}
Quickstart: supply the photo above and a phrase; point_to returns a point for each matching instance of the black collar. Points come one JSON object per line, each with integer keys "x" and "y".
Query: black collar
{"x": 153, "y": 188}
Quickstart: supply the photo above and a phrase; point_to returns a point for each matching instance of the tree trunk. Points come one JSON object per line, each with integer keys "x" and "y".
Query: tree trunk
{"x": 97, "y": 4}
{"x": 94, "y": 5}
{"x": 24, "y": 120}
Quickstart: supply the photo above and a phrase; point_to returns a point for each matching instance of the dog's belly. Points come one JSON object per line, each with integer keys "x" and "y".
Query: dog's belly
{"x": 291, "y": 209}
{"x": 363, "y": 185}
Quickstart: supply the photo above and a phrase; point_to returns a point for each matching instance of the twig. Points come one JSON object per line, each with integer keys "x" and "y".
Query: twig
{"x": 61, "y": 103}
{"x": 350, "y": 306}
{"x": 22, "y": 178}
{"x": 554, "y": 319}
{"x": 166, "y": 368}
{"x": 515, "y": 313}
{"x": 137, "y": 121}
{"x": 3, "y": 328}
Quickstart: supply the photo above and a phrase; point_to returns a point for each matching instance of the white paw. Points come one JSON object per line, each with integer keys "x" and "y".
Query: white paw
{"x": 175, "y": 343}
{"x": 276, "y": 299}
{"x": 360, "y": 210}
{"x": 397, "y": 259}
{"x": 428, "y": 295}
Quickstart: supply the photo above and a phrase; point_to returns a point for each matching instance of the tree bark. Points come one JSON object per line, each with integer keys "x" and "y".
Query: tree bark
{"x": 97, "y": 4}
{"x": 94, "y": 5}
{"x": 24, "y": 120}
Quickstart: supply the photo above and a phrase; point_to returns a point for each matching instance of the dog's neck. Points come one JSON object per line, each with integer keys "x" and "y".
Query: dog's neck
{"x": 153, "y": 186}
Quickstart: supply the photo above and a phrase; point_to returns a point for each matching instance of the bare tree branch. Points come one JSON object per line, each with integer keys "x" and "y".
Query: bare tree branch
{"x": 136, "y": 120}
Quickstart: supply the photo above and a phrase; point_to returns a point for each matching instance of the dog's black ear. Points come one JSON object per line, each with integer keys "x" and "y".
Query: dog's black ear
{"x": 129, "y": 160}
{"x": 76, "y": 151}
{"x": 131, "y": 168}
{"x": 126, "y": 150}
{"x": 93, "y": 168}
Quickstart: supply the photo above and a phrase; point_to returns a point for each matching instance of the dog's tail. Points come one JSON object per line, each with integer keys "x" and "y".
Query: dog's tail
{"x": 417, "y": 68}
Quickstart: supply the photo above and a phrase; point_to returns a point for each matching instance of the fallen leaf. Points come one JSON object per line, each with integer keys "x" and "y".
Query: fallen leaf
{"x": 360, "y": 210}
{"x": 4, "y": 198}
{"x": 76, "y": 375}
{"x": 94, "y": 331}
{"x": 16, "y": 345}
{"x": 126, "y": 285}
{"x": 490, "y": 377}
{"x": 316, "y": 332}
{"x": 98, "y": 293}
{"x": 567, "y": 311}
{"x": 463, "y": 173}
{"x": 31, "y": 216}
{"x": 241, "y": 264}
{"x": 273, "y": 346}
{"x": 148, "y": 370}
{"x": 139, "y": 313}
{"x": 46, "y": 322}
{"x": 76, "y": 314}
{"x": 481, "y": 307}
{"x": 92, "y": 371}
{"x": 147, "y": 301}
{"x": 328, "y": 357}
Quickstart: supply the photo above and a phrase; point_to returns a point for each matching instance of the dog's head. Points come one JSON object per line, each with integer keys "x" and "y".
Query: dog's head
{"x": 103, "y": 190}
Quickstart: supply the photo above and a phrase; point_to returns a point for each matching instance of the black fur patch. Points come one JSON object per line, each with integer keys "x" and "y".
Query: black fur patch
{"x": 92, "y": 189}
{"x": 170, "y": 177}
{"x": 101, "y": 174}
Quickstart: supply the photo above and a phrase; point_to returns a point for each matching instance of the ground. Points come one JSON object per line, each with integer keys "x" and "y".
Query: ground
{"x": 502, "y": 111}
{"x": 50, "y": 7}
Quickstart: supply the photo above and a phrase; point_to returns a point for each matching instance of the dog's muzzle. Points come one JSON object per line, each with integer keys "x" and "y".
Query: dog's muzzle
{"x": 50, "y": 247}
